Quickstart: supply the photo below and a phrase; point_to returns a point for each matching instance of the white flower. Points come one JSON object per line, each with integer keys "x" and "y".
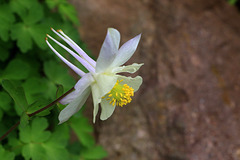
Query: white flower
{"x": 108, "y": 87}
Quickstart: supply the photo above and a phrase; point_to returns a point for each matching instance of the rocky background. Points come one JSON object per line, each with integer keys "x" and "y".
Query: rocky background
{"x": 189, "y": 105}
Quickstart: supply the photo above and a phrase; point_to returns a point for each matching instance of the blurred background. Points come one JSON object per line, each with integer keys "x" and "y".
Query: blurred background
{"x": 188, "y": 106}
{"x": 186, "y": 109}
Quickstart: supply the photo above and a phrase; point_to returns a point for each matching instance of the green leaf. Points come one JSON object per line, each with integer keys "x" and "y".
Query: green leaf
{"x": 16, "y": 145}
{"x": 56, "y": 146}
{"x": 69, "y": 11}
{"x": 6, "y": 20}
{"x": 31, "y": 28}
{"x": 51, "y": 92}
{"x": 4, "y": 54}
{"x": 54, "y": 3}
{"x": 24, "y": 120}
{"x": 38, "y": 33}
{"x": 19, "y": 7}
{"x": 18, "y": 109}
{"x": 58, "y": 74}
{"x": 17, "y": 93}
{"x": 17, "y": 70}
{"x": 40, "y": 103}
{"x": 20, "y": 32}
{"x": 232, "y": 2}
{"x": 96, "y": 152}
{"x": 4, "y": 48}
{"x": 33, "y": 151}
{"x": 1, "y": 114}
{"x": 66, "y": 10}
{"x": 60, "y": 92}
{"x": 35, "y": 13}
{"x": 40, "y": 144}
{"x": 5, "y": 101}
{"x": 6, "y": 155}
{"x": 36, "y": 132}
{"x": 83, "y": 132}
{"x": 30, "y": 11}
{"x": 35, "y": 88}
{"x": 34, "y": 85}
{"x": 34, "y": 106}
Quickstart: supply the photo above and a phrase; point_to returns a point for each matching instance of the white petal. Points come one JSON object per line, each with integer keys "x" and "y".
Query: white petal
{"x": 135, "y": 82}
{"x": 96, "y": 100}
{"x": 107, "y": 109}
{"x": 80, "y": 86}
{"x": 130, "y": 68}
{"x": 102, "y": 85}
{"x": 80, "y": 59}
{"x": 105, "y": 82}
{"x": 73, "y": 67}
{"x": 109, "y": 50}
{"x": 86, "y": 80}
{"x": 70, "y": 97}
{"x": 74, "y": 106}
{"x": 74, "y": 46}
{"x": 126, "y": 51}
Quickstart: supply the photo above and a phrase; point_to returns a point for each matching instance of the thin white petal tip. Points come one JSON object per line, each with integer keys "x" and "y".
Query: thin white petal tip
{"x": 109, "y": 29}
{"x": 61, "y": 122}
{"x": 139, "y": 35}
{"x": 59, "y": 30}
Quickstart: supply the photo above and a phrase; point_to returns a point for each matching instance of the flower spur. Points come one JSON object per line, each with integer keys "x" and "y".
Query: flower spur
{"x": 108, "y": 87}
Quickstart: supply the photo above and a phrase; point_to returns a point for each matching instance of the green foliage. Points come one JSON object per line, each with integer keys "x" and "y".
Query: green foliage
{"x": 5, "y": 101}
{"x": 60, "y": 92}
{"x": 24, "y": 119}
{"x": 6, "y": 154}
{"x": 83, "y": 131}
{"x": 17, "y": 93}
{"x": 16, "y": 69}
{"x": 6, "y": 20}
{"x": 67, "y": 11}
{"x": 57, "y": 74}
{"x": 232, "y": 2}
{"x": 95, "y": 152}
{"x": 31, "y": 77}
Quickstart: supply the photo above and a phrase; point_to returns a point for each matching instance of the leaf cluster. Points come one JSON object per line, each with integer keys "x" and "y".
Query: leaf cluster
{"x": 30, "y": 77}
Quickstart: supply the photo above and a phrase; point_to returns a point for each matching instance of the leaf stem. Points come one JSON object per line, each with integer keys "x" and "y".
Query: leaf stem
{"x": 36, "y": 112}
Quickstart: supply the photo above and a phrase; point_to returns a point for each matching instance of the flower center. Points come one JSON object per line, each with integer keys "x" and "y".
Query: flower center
{"x": 120, "y": 94}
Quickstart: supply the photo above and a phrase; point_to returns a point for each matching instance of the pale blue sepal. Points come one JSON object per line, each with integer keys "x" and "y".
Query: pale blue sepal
{"x": 107, "y": 109}
{"x": 96, "y": 99}
{"x": 74, "y": 106}
{"x": 135, "y": 82}
{"x": 104, "y": 83}
{"x": 129, "y": 68}
{"x": 109, "y": 50}
{"x": 126, "y": 51}
{"x": 79, "y": 87}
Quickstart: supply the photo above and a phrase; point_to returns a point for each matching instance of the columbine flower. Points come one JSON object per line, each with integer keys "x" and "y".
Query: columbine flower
{"x": 108, "y": 88}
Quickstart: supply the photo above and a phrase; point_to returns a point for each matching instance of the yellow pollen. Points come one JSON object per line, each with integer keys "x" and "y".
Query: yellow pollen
{"x": 120, "y": 94}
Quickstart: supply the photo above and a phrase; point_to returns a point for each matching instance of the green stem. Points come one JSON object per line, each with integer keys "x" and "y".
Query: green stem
{"x": 36, "y": 112}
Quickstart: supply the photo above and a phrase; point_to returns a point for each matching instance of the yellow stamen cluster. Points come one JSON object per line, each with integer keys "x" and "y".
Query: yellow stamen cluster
{"x": 120, "y": 94}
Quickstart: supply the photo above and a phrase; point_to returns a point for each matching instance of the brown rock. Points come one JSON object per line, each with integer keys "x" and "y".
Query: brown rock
{"x": 188, "y": 106}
